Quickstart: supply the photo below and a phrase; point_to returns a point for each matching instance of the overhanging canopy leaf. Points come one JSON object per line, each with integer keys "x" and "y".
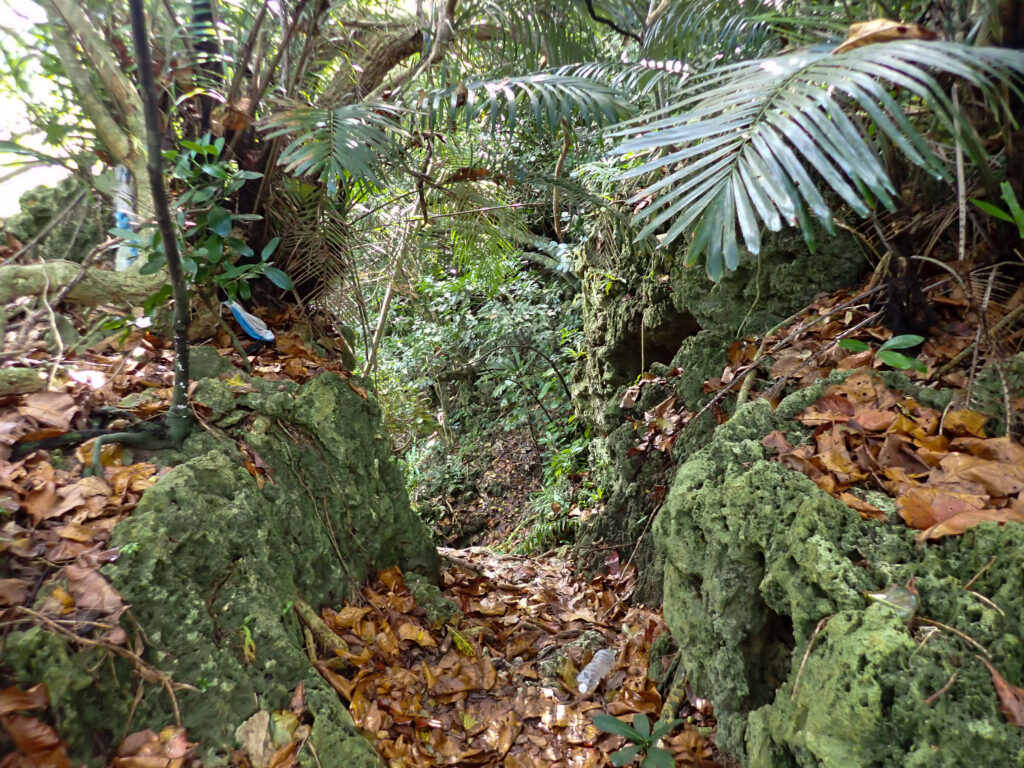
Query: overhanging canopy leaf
{"x": 764, "y": 126}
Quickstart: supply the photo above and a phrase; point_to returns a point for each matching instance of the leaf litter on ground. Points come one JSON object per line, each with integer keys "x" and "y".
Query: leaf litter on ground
{"x": 496, "y": 686}
{"x": 57, "y": 522}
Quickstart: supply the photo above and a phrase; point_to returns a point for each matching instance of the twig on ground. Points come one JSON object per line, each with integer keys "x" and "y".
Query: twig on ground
{"x": 58, "y": 342}
{"x": 807, "y": 653}
{"x": 147, "y": 672}
{"x": 956, "y": 632}
{"x": 980, "y": 573}
{"x": 949, "y": 684}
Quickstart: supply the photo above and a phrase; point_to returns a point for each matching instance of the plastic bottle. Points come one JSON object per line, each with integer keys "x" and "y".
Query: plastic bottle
{"x": 591, "y": 675}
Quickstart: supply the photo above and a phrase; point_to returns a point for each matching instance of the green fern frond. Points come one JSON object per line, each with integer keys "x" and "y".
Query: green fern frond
{"x": 738, "y": 150}
{"x": 703, "y": 32}
{"x": 351, "y": 144}
{"x": 549, "y": 99}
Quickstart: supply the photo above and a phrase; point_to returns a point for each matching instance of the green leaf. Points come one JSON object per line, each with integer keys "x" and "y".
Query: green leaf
{"x": 214, "y": 170}
{"x": 993, "y": 210}
{"x": 237, "y": 270}
{"x": 202, "y": 194}
{"x": 278, "y": 278}
{"x": 897, "y": 360}
{"x": 269, "y": 248}
{"x": 244, "y": 291}
{"x": 219, "y": 220}
{"x": 129, "y": 236}
{"x": 662, "y": 728}
{"x": 659, "y": 758}
{"x": 214, "y": 249}
{"x": 625, "y": 755}
{"x": 854, "y": 345}
{"x": 610, "y": 724}
{"x": 902, "y": 342}
{"x": 1015, "y": 210}
{"x": 153, "y": 265}
{"x": 642, "y": 725}
{"x": 239, "y": 246}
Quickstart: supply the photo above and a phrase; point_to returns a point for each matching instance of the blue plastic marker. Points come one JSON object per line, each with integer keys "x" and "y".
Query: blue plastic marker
{"x": 254, "y": 328}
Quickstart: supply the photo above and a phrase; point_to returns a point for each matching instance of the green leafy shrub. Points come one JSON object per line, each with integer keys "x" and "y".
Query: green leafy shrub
{"x": 217, "y": 256}
{"x": 643, "y": 737}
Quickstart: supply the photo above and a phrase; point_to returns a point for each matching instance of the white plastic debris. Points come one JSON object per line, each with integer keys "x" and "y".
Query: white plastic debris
{"x": 591, "y": 675}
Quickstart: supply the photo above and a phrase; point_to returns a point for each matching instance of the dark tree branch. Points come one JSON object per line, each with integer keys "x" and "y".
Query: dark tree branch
{"x": 610, "y": 23}
{"x": 178, "y": 416}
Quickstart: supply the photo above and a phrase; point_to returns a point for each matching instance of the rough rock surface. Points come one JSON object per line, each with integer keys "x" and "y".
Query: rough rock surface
{"x": 640, "y": 314}
{"x": 209, "y": 558}
{"x": 757, "y": 558}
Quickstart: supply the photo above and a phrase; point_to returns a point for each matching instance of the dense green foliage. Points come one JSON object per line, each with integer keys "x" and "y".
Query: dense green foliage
{"x": 487, "y": 361}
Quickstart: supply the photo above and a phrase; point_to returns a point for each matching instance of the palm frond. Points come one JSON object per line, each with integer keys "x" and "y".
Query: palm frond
{"x": 549, "y": 99}
{"x": 711, "y": 32}
{"x": 315, "y": 238}
{"x": 738, "y": 150}
{"x": 534, "y": 37}
{"x": 639, "y": 80}
{"x": 347, "y": 145}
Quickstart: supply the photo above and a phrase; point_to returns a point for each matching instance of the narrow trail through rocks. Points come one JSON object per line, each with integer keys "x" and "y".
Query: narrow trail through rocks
{"x": 494, "y": 683}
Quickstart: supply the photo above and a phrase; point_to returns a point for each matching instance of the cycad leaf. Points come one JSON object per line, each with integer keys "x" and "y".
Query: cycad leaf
{"x": 551, "y": 97}
{"x": 742, "y": 141}
{"x": 341, "y": 146}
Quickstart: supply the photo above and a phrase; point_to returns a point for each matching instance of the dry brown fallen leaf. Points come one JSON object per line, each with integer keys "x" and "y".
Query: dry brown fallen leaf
{"x": 91, "y": 591}
{"x": 53, "y": 409}
{"x": 37, "y": 742}
{"x": 1011, "y": 697}
{"x": 14, "y": 699}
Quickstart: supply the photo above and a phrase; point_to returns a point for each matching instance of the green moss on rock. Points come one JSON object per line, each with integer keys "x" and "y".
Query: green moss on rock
{"x": 76, "y": 234}
{"x": 439, "y": 609}
{"x": 756, "y": 556}
{"x": 210, "y": 558}
{"x": 208, "y": 363}
{"x": 642, "y": 311}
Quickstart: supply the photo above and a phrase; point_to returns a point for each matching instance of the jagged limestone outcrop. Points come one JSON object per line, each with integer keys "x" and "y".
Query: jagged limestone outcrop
{"x": 642, "y": 313}
{"x": 757, "y": 558}
{"x": 211, "y": 557}
{"x": 73, "y": 235}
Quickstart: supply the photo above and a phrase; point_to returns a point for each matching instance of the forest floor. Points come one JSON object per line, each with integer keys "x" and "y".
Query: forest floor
{"x": 502, "y": 676}
{"x": 521, "y": 618}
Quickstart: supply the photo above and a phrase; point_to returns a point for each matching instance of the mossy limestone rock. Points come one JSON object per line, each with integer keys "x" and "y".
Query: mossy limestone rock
{"x": 757, "y": 558}
{"x": 644, "y": 310}
{"x": 212, "y": 562}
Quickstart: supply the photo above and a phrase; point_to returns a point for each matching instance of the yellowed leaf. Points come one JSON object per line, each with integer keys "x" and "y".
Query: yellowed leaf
{"x": 882, "y": 31}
